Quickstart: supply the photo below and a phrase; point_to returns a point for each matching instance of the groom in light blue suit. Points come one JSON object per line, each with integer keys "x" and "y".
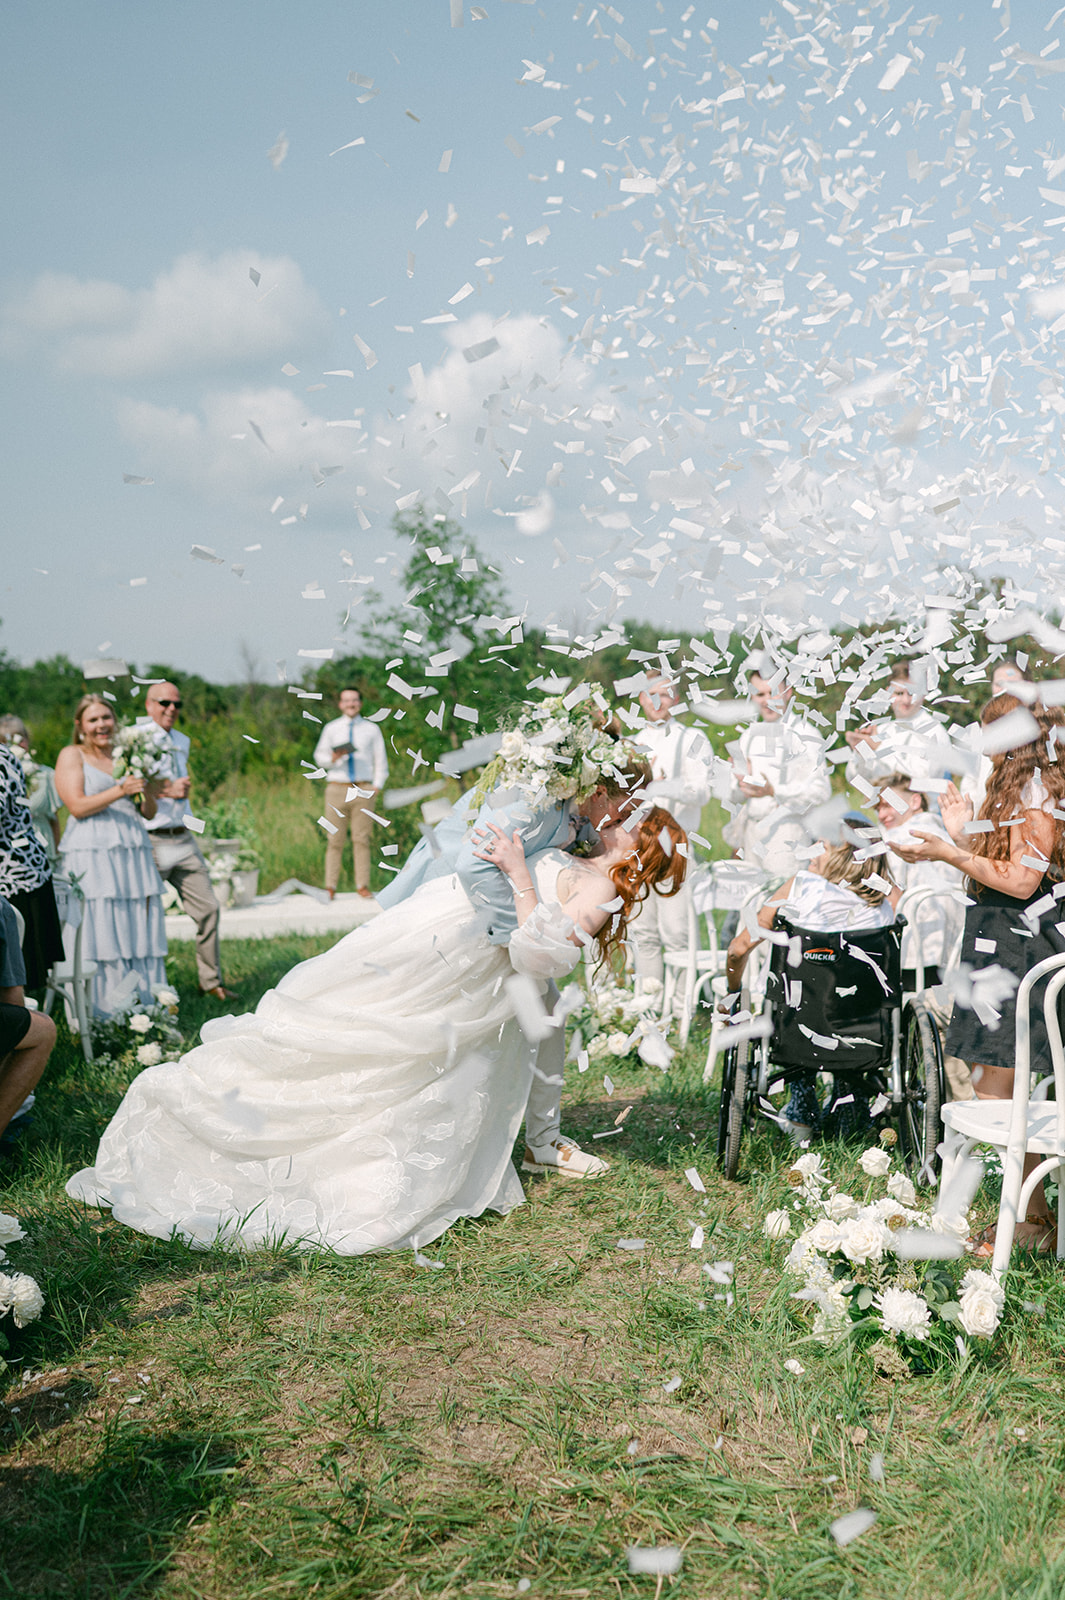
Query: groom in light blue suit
{"x": 555, "y": 825}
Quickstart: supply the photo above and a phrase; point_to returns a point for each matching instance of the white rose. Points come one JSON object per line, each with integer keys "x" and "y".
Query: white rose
{"x": 876, "y": 1162}
{"x": 900, "y": 1187}
{"x": 956, "y": 1226}
{"x": 21, "y": 1295}
{"x": 139, "y": 1023}
{"x": 10, "y": 1229}
{"x": 150, "y": 1054}
{"x": 597, "y": 1047}
{"x": 619, "y": 1044}
{"x": 840, "y": 1206}
{"x": 863, "y": 1238}
{"x": 902, "y": 1311}
{"x": 166, "y": 997}
{"x": 777, "y": 1225}
{"x": 512, "y": 745}
{"x": 981, "y": 1299}
{"x": 823, "y": 1236}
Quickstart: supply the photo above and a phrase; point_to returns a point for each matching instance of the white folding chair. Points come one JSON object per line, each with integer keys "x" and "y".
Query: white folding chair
{"x": 917, "y": 906}
{"x": 687, "y": 971}
{"x": 71, "y": 979}
{"x": 754, "y": 983}
{"x": 1026, "y": 1124}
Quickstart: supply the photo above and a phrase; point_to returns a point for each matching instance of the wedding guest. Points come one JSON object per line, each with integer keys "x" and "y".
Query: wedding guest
{"x": 106, "y": 846}
{"x": 25, "y": 876}
{"x": 915, "y": 740}
{"x": 1009, "y": 870}
{"x": 781, "y": 772}
{"x": 1005, "y": 673}
{"x": 41, "y": 792}
{"x": 26, "y": 1037}
{"x": 352, "y": 751}
{"x": 178, "y": 857}
{"x": 681, "y": 761}
{"x": 902, "y": 811}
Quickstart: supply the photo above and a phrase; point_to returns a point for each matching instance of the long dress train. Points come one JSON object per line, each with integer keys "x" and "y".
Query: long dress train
{"x": 371, "y": 1099}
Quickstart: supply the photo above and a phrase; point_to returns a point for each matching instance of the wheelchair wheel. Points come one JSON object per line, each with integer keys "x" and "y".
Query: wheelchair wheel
{"x": 734, "y": 1114}
{"x": 922, "y": 1089}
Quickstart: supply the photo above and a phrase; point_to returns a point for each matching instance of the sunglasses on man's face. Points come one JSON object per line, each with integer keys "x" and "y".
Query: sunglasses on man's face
{"x": 166, "y": 704}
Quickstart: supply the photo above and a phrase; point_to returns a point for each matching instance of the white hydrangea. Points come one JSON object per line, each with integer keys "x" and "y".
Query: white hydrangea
{"x": 21, "y": 1295}
{"x": 900, "y": 1187}
{"x": 150, "y": 1054}
{"x": 875, "y": 1162}
{"x": 777, "y": 1225}
{"x": 902, "y": 1311}
{"x": 140, "y": 1023}
{"x": 982, "y": 1299}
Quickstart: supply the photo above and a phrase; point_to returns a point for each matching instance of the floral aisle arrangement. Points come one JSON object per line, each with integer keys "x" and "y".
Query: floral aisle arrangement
{"x": 146, "y": 1034}
{"x": 230, "y": 844}
{"x": 556, "y": 752}
{"x": 883, "y": 1270}
{"x": 611, "y": 1021}
{"x": 136, "y": 751}
{"x": 20, "y": 1295}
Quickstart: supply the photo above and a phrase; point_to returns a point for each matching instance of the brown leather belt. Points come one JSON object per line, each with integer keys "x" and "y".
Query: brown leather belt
{"x": 166, "y": 833}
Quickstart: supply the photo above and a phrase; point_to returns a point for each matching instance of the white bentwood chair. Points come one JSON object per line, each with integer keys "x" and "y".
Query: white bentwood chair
{"x": 1026, "y": 1124}
{"x": 715, "y": 886}
{"x": 70, "y": 980}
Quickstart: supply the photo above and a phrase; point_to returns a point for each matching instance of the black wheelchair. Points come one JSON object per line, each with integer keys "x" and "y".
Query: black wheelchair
{"x": 835, "y": 1005}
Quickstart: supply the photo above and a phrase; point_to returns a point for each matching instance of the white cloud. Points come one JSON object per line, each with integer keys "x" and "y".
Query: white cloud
{"x": 202, "y": 315}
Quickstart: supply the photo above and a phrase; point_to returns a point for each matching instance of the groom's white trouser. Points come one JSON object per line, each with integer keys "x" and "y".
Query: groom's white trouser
{"x": 543, "y": 1113}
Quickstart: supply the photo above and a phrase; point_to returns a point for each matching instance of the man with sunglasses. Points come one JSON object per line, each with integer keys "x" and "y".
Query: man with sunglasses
{"x": 177, "y": 855}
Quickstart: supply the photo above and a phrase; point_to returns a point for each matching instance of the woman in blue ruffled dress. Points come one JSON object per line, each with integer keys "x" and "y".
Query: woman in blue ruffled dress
{"x": 105, "y": 846}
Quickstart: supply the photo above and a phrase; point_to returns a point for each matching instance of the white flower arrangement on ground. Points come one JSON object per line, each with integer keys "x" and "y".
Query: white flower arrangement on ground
{"x": 148, "y": 1031}
{"x": 555, "y": 753}
{"x": 20, "y": 1295}
{"x": 611, "y": 1022}
{"x": 883, "y": 1268}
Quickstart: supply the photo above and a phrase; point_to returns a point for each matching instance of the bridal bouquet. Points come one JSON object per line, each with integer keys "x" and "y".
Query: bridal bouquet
{"x": 20, "y": 1295}
{"x": 883, "y": 1270}
{"x": 555, "y": 752}
{"x": 136, "y": 751}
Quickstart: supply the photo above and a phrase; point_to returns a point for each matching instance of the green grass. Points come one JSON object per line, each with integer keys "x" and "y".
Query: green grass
{"x": 282, "y": 1426}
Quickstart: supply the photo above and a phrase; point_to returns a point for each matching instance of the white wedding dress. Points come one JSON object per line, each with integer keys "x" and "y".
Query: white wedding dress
{"x": 371, "y": 1099}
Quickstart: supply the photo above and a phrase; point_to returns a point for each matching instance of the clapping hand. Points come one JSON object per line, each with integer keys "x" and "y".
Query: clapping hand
{"x": 505, "y": 853}
{"x": 956, "y": 811}
{"x": 755, "y": 790}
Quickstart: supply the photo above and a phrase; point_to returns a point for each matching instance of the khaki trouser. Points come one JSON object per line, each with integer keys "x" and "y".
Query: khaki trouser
{"x": 178, "y": 859}
{"x": 351, "y": 813}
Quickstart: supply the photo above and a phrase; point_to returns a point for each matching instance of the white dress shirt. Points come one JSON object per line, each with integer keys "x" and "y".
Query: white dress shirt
{"x": 790, "y": 755}
{"x": 169, "y": 813}
{"x": 368, "y": 763}
{"x": 918, "y": 745}
{"x": 682, "y": 762}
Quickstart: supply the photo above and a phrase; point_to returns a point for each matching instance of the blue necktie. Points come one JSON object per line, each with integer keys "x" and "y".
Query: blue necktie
{"x": 351, "y": 752}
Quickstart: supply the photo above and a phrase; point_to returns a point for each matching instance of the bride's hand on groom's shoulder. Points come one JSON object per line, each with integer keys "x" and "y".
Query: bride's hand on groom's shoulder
{"x": 493, "y": 845}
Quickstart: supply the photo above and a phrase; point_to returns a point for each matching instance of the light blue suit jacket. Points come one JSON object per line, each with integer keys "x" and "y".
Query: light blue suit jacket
{"x": 543, "y": 828}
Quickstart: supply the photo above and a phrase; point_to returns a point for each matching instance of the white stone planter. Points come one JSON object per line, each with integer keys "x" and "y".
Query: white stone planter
{"x": 244, "y": 886}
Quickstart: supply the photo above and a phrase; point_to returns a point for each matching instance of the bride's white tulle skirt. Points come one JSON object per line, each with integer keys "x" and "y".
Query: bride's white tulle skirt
{"x": 371, "y": 1099}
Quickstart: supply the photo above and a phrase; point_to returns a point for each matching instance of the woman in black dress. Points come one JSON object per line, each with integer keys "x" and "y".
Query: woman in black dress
{"x": 1010, "y": 868}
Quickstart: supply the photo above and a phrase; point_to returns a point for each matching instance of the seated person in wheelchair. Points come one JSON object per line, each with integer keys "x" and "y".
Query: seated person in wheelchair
{"x": 26, "y": 1037}
{"x": 835, "y": 893}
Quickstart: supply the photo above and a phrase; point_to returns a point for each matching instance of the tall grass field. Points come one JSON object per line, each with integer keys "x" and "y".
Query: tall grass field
{"x": 280, "y": 1425}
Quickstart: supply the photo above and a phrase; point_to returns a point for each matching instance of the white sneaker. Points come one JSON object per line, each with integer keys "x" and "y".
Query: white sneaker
{"x": 565, "y": 1156}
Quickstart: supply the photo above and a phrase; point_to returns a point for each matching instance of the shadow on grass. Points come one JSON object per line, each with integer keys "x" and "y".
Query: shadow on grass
{"x": 112, "y": 1529}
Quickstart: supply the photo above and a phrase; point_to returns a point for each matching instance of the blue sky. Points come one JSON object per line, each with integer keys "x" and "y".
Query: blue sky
{"x": 668, "y": 352}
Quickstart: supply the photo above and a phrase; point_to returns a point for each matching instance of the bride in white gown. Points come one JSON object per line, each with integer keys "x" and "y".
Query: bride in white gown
{"x": 375, "y": 1095}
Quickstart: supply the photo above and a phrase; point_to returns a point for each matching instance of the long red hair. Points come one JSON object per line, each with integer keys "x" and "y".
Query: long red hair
{"x": 656, "y": 865}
